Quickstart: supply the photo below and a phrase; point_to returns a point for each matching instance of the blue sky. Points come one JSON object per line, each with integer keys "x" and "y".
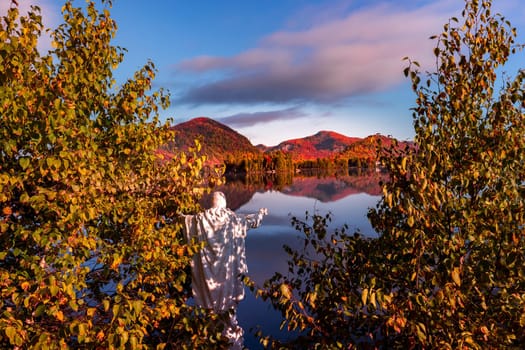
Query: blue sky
{"x": 281, "y": 69}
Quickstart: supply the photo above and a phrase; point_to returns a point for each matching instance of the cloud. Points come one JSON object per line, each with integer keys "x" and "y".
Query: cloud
{"x": 250, "y": 119}
{"x": 333, "y": 60}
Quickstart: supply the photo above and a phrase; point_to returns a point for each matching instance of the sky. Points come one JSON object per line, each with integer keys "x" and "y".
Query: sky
{"x": 275, "y": 70}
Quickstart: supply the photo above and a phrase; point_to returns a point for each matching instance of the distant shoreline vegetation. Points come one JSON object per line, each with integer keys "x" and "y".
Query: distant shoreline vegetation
{"x": 325, "y": 151}
{"x": 279, "y": 162}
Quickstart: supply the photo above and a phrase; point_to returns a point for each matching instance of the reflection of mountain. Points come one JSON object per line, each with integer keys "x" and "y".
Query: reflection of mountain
{"x": 325, "y": 189}
{"x": 330, "y": 189}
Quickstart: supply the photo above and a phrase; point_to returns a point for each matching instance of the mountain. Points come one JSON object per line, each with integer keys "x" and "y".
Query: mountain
{"x": 324, "y": 144}
{"x": 218, "y": 141}
{"x": 329, "y": 144}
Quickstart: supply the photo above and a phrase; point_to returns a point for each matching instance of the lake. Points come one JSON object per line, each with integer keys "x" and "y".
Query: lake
{"x": 347, "y": 197}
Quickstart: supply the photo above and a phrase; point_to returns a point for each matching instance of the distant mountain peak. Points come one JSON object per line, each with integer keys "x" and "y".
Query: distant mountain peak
{"x": 217, "y": 140}
{"x": 203, "y": 123}
{"x": 328, "y": 133}
{"x": 323, "y": 144}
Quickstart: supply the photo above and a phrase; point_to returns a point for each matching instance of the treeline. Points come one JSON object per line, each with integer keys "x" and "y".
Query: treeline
{"x": 269, "y": 181}
{"x": 279, "y": 161}
{"x": 250, "y": 163}
{"x": 336, "y": 163}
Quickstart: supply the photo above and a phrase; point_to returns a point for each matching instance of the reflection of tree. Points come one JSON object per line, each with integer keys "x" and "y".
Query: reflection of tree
{"x": 240, "y": 189}
{"x": 323, "y": 186}
{"x": 332, "y": 188}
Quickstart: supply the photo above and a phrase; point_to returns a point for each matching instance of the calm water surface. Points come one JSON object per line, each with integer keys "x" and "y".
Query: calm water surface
{"x": 348, "y": 198}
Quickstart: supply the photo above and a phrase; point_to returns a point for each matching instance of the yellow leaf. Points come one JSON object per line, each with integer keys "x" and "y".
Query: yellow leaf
{"x": 410, "y": 221}
{"x": 373, "y": 299}
{"x": 105, "y": 304}
{"x": 455, "y": 276}
{"x": 91, "y": 311}
{"x": 285, "y": 291}
{"x": 364, "y": 296}
{"x": 59, "y": 316}
{"x": 116, "y": 262}
{"x": 312, "y": 298}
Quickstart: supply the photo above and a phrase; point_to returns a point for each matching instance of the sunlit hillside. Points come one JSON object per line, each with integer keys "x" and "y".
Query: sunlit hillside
{"x": 219, "y": 143}
{"x": 217, "y": 140}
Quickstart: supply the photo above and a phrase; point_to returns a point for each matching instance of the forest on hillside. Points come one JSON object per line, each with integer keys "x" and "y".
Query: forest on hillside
{"x": 323, "y": 152}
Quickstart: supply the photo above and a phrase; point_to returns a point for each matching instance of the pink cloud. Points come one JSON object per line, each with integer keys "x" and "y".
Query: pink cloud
{"x": 333, "y": 60}
{"x": 250, "y": 59}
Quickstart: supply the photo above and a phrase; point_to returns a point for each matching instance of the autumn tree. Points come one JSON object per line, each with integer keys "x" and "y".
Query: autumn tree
{"x": 459, "y": 201}
{"x": 91, "y": 252}
{"x": 448, "y": 267}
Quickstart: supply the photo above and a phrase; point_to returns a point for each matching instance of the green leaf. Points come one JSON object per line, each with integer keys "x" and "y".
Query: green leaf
{"x": 11, "y": 333}
{"x": 53, "y": 289}
{"x": 40, "y": 310}
{"x": 24, "y": 162}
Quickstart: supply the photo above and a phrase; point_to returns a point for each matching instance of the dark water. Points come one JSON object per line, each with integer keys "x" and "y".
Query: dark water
{"x": 346, "y": 197}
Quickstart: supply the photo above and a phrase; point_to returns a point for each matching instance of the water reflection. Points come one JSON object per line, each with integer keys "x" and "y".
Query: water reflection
{"x": 347, "y": 197}
{"x": 324, "y": 187}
